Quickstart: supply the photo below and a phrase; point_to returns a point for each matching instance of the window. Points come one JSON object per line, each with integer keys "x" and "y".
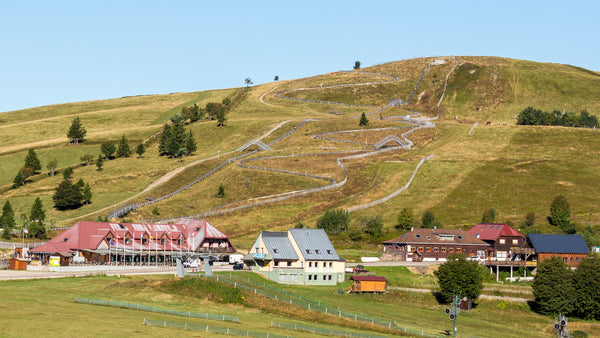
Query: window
{"x": 418, "y": 236}
{"x": 428, "y": 249}
{"x": 450, "y": 249}
{"x": 515, "y": 242}
{"x": 65, "y": 239}
{"x": 459, "y": 237}
{"x": 443, "y": 249}
{"x": 317, "y": 251}
{"x": 144, "y": 240}
{"x": 121, "y": 226}
{"x": 162, "y": 241}
{"x": 420, "y": 249}
{"x": 308, "y": 251}
{"x": 309, "y": 277}
{"x": 310, "y": 264}
{"x": 458, "y": 249}
{"x": 275, "y": 250}
{"x": 179, "y": 241}
{"x": 428, "y": 237}
{"x": 276, "y": 263}
{"x": 502, "y": 241}
{"x": 329, "y": 277}
{"x": 331, "y": 264}
{"x": 436, "y": 249}
{"x": 324, "y": 277}
{"x": 127, "y": 240}
{"x": 329, "y": 252}
{"x": 577, "y": 259}
{"x": 289, "y": 263}
{"x": 571, "y": 259}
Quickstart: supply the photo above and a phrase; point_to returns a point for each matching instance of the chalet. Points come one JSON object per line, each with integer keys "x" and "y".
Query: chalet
{"x": 134, "y": 243}
{"x": 368, "y": 284}
{"x": 502, "y": 239}
{"x": 433, "y": 245}
{"x": 296, "y": 256}
{"x": 571, "y": 248}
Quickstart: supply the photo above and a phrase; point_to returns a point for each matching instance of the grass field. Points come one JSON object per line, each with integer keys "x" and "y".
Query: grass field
{"x": 47, "y": 305}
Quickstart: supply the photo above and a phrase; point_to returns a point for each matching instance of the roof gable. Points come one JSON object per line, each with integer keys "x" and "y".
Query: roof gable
{"x": 492, "y": 231}
{"x": 314, "y": 244}
{"x": 278, "y": 244}
{"x": 565, "y": 244}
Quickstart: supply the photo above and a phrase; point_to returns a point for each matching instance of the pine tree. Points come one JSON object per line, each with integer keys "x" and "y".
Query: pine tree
{"x": 164, "y": 139}
{"x": 68, "y": 173}
{"x": 76, "y": 132}
{"x": 363, "y": 120}
{"x": 123, "y": 150}
{"x": 190, "y": 144}
{"x": 221, "y": 192}
{"x": 99, "y": 162}
{"x": 176, "y": 139}
{"x": 37, "y": 211}
{"x": 87, "y": 194}
{"x": 67, "y": 196}
{"x": 7, "y": 219}
{"x": 19, "y": 180}
{"x": 32, "y": 161}
{"x": 140, "y": 150}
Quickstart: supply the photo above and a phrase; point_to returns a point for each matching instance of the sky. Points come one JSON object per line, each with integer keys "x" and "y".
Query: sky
{"x": 67, "y": 51}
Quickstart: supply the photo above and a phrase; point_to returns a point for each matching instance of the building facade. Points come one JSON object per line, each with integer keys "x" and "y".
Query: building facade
{"x": 502, "y": 238}
{"x": 433, "y": 245}
{"x": 296, "y": 256}
{"x": 135, "y": 243}
{"x": 571, "y": 248}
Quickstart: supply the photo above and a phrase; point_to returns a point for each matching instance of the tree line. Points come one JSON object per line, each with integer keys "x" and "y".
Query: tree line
{"x": 33, "y": 224}
{"x": 536, "y": 117}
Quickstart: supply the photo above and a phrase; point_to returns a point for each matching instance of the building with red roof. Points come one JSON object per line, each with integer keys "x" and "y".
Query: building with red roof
{"x": 134, "y": 243}
{"x": 501, "y": 237}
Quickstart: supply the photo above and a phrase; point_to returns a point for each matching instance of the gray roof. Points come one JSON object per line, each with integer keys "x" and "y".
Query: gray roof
{"x": 279, "y": 245}
{"x": 565, "y": 244}
{"x": 314, "y": 244}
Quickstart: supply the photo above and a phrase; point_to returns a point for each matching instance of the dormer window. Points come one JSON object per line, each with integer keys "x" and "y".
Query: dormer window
{"x": 317, "y": 251}
{"x": 65, "y": 239}
{"x": 275, "y": 250}
{"x": 428, "y": 237}
{"x": 162, "y": 241}
{"x": 459, "y": 237}
{"x": 308, "y": 251}
{"x": 329, "y": 252}
{"x": 418, "y": 236}
{"x": 121, "y": 226}
{"x": 127, "y": 240}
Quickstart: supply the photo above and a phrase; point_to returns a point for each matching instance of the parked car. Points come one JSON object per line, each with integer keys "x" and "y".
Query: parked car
{"x": 190, "y": 264}
{"x": 359, "y": 269}
{"x": 238, "y": 266}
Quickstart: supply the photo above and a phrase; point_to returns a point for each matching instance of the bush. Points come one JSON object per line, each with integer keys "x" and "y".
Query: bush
{"x": 334, "y": 221}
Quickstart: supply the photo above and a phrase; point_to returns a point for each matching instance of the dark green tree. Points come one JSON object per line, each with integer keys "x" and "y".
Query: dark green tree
{"x": 32, "y": 161}
{"x": 76, "y": 132}
{"x": 108, "y": 150}
{"x": 51, "y": 166}
{"x": 560, "y": 213}
{"x": 164, "y": 139}
{"x": 67, "y": 196}
{"x": 299, "y": 225}
{"x": 7, "y": 219}
{"x": 140, "y": 150}
{"x": 276, "y": 78}
{"x": 123, "y": 149}
{"x": 68, "y": 173}
{"x": 460, "y": 277}
{"x": 489, "y": 215}
{"x": 221, "y": 192}
{"x": 100, "y": 162}
{"x": 176, "y": 140}
{"x": 221, "y": 118}
{"x": 428, "y": 220}
{"x": 334, "y": 221}
{"x": 405, "y": 219}
{"x": 86, "y": 194}
{"x": 372, "y": 225}
{"x": 37, "y": 216}
{"x": 356, "y": 65}
{"x": 363, "y": 120}
{"x": 553, "y": 288}
{"x": 248, "y": 82}
{"x": 19, "y": 180}
{"x": 190, "y": 143}
{"x": 586, "y": 283}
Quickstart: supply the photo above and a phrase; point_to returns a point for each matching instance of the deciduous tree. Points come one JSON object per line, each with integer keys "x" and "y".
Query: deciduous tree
{"x": 553, "y": 288}
{"x": 334, "y": 221}
{"x": 405, "y": 219}
{"x": 108, "y": 149}
{"x": 458, "y": 276}
{"x": 373, "y": 225}
{"x": 489, "y": 215}
{"x": 51, "y": 166}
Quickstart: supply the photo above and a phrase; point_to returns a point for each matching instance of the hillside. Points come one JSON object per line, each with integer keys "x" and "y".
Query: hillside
{"x": 513, "y": 169}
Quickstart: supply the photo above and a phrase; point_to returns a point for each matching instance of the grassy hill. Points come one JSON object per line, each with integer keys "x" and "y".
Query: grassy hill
{"x": 513, "y": 169}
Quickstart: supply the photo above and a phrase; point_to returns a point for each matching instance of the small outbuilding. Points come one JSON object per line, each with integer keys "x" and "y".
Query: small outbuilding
{"x": 18, "y": 264}
{"x": 368, "y": 284}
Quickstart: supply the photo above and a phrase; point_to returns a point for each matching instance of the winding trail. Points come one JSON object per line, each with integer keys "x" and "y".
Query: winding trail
{"x": 412, "y": 118}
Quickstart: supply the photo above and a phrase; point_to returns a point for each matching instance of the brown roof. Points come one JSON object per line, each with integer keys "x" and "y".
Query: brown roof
{"x": 437, "y": 236}
{"x": 369, "y": 278}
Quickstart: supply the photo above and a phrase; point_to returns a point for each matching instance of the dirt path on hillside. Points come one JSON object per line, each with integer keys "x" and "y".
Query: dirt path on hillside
{"x": 166, "y": 177}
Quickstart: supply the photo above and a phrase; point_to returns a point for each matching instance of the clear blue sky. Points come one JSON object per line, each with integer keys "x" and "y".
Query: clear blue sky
{"x": 65, "y": 51}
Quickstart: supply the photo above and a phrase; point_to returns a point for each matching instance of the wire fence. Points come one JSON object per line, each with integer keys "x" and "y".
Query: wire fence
{"x": 158, "y": 310}
{"x": 212, "y": 329}
{"x": 330, "y": 332}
